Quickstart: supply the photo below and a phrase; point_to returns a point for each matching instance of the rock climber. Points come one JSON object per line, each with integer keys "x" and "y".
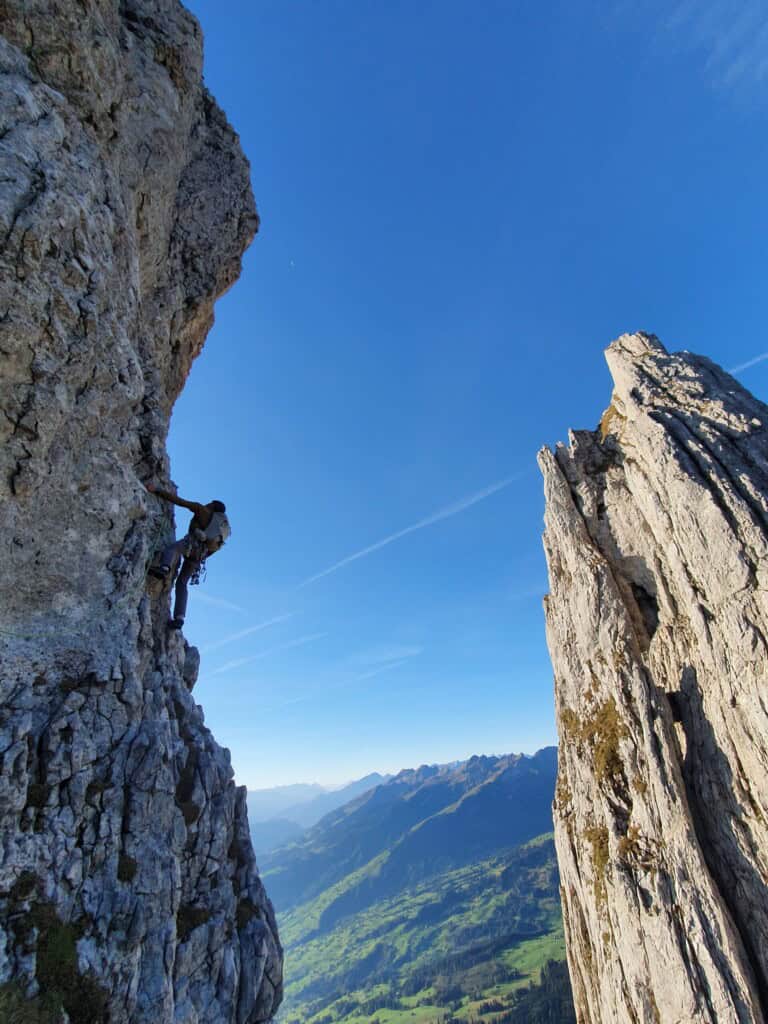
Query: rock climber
{"x": 208, "y": 531}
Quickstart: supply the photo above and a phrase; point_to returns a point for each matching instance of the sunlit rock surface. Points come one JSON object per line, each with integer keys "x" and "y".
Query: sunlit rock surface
{"x": 657, "y": 620}
{"x": 125, "y": 206}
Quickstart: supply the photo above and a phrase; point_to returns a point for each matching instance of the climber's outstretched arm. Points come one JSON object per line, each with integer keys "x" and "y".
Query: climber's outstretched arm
{"x": 193, "y": 506}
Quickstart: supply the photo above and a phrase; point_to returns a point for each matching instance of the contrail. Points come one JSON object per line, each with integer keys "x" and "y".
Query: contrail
{"x": 218, "y": 602}
{"x": 339, "y": 686}
{"x": 750, "y": 362}
{"x": 383, "y": 668}
{"x": 229, "y": 665}
{"x": 264, "y": 654}
{"x": 246, "y": 632}
{"x": 436, "y": 517}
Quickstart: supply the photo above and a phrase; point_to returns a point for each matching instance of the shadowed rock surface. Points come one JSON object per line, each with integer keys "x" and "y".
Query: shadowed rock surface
{"x": 657, "y": 546}
{"x": 127, "y": 880}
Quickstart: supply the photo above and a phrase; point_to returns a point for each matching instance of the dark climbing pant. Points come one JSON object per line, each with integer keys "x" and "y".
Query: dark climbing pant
{"x": 171, "y": 555}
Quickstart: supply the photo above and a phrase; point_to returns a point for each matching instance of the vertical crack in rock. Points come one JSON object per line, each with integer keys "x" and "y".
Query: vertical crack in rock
{"x": 127, "y": 878}
{"x": 656, "y": 536}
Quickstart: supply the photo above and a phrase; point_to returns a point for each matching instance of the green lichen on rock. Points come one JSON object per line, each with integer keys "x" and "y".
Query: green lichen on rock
{"x": 639, "y": 785}
{"x": 639, "y": 852}
{"x": 601, "y": 731}
{"x": 629, "y": 845}
{"x": 563, "y": 794}
{"x": 570, "y": 724}
{"x": 610, "y": 423}
{"x": 597, "y": 837}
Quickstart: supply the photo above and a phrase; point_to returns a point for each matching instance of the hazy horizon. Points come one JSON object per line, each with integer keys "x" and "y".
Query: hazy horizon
{"x": 340, "y": 784}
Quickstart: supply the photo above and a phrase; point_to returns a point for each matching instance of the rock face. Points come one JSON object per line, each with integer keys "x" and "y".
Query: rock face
{"x": 657, "y": 545}
{"x": 128, "y": 884}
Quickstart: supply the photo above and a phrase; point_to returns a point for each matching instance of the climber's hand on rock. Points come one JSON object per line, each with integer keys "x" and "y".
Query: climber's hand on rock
{"x": 151, "y": 488}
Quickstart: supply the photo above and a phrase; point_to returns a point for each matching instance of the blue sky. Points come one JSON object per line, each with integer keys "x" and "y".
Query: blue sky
{"x": 462, "y": 204}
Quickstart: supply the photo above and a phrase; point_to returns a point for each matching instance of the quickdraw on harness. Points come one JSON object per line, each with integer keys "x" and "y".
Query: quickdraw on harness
{"x": 198, "y": 576}
{"x": 207, "y": 542}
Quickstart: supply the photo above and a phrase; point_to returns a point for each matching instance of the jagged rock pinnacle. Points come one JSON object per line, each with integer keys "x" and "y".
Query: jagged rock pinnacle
{"x": 656, "y": 539}
{"x": 127, "y": 879}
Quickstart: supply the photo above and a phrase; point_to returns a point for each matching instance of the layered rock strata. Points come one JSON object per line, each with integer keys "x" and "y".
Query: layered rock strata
{"x": 128, "y": 886}
{"x": 657, "y": 617}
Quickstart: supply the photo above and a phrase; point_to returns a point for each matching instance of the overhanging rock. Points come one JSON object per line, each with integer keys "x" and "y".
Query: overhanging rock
{"x": 127, "y": 879}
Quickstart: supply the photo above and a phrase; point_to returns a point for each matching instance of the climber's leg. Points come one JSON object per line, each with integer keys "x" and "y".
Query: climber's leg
{"x": 169, "y": 559}
{"x": 188, "y": 568}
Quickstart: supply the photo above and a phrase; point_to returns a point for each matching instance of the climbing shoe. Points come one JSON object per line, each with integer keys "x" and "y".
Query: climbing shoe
{"x": 160, "y": 572}
{"x": 176, "y": 623}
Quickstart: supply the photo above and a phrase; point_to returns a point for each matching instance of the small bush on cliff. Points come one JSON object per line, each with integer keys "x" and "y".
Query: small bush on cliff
{"x": 58, "y": 973}
{"x": 15, "y": 1008}
{"x": 36, "y": 927}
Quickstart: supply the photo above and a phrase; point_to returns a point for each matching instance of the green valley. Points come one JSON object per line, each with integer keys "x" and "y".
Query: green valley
{"x": 461, "y": 945}
{"x": 432, "y": 898}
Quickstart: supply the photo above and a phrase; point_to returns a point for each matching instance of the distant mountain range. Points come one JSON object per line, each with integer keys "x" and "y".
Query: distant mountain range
{"x": 432, "y": 895}
{"x": 273, "y": 803}
{"x": 420, "y": 822}
{"x": 280, "y": 815}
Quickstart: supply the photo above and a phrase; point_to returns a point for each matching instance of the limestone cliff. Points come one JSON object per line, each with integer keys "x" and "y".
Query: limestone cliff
{"x": 127, "y": 880}
{"x": 657, "y": 545}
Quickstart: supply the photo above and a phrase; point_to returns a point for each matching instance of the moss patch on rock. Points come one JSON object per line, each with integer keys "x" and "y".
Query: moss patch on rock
{"x": 62, "y": 984}
{"x": 601, "y": 731}
{"x": 58, "y": 973}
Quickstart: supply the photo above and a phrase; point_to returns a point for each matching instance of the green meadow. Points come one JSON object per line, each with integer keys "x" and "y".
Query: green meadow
{"x": 465, "y": 945}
